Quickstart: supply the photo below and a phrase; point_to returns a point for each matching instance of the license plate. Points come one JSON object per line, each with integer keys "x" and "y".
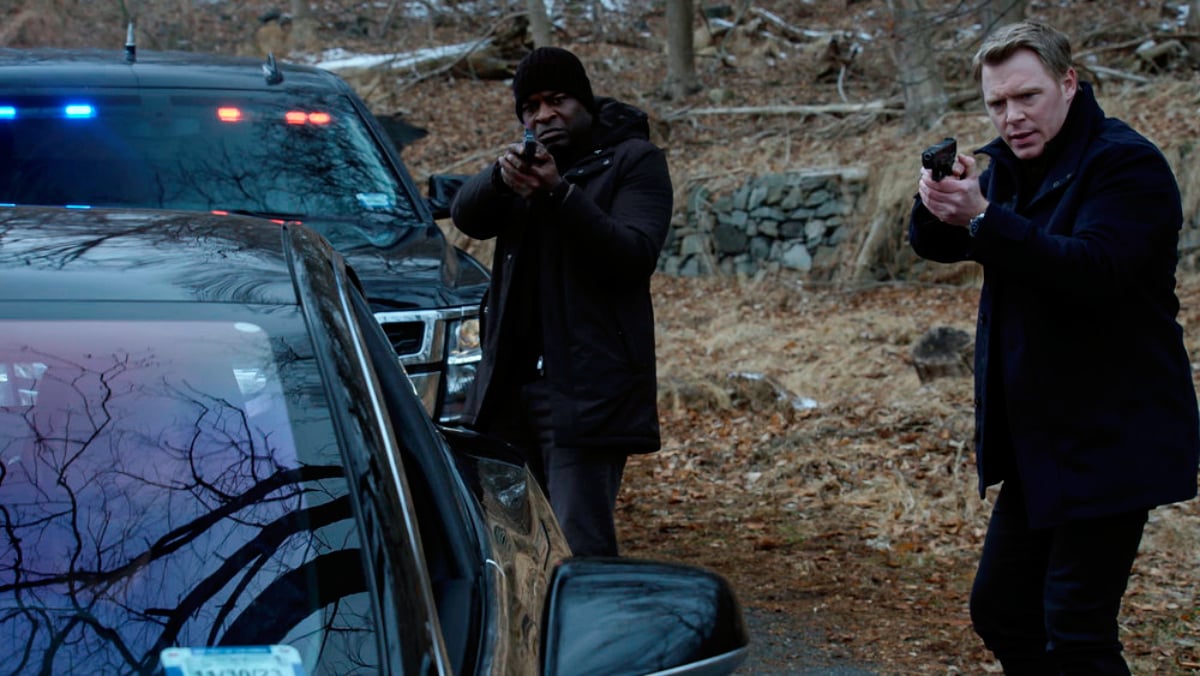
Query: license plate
{"x": 267, "y": 660}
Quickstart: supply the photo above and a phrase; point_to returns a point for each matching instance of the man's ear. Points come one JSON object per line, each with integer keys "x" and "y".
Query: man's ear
{"x": 1070, "y": 84}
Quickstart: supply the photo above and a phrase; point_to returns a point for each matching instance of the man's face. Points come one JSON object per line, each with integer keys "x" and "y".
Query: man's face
{"x": 558, "y": 120}
{"x": 1027, "y": 104}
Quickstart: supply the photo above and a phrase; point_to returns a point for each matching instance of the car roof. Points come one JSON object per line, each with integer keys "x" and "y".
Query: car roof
{"x": 51, "y": 67}
{"x": 56, "y": 254}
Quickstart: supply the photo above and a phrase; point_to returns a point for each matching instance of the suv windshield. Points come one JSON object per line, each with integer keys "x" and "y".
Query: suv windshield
{"x": 172, "y": 483}
{"x": 236, "y": 151}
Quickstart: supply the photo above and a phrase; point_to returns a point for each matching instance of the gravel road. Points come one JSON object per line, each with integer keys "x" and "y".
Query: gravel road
{"x": 782, "y": 646}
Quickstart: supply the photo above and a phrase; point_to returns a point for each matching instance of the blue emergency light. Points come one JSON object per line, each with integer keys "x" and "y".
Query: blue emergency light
{"x": 79, "y": 110}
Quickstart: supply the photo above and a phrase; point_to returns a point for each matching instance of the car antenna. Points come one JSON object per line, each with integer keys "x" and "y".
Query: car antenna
{"x": 271, "y": 70}
{"x": 130, "y": 47}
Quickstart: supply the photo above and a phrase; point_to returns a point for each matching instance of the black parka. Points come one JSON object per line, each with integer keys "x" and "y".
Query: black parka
{"x": 596, "y": 253}
{"x": 1083, "y": 384}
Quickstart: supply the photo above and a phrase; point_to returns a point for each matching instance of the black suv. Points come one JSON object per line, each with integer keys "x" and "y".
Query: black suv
{"x": 164, "y": 130}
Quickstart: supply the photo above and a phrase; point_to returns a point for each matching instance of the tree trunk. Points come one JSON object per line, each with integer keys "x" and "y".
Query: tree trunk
{"x": 539, "y": 22}
{"x": 925, "y": 99}
{"x": 303, "y": 34}
{"x": 999, "y": 12}
{"x": 1192, "y": 25}
{"x": 681, "y": 59}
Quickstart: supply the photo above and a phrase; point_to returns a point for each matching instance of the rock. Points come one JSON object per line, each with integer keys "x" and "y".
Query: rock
{"x": 943, "y": 352}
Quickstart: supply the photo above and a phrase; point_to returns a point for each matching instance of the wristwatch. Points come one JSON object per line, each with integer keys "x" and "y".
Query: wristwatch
{"x": 558, "y": 194}
{"x": 973, "y": 225}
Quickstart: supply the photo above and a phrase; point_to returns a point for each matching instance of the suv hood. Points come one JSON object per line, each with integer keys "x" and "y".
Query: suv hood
{"x": 402, "y": 266}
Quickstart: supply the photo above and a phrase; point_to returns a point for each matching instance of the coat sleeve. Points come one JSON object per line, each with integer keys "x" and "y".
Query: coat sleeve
{"x": 481, "y": 209}
{"x": 635, "y": 228}
{"x": 1124, "y": 228}
{"x": 935, "y": 240}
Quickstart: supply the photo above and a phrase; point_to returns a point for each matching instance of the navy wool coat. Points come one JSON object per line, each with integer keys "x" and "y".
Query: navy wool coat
{"x": 1083, "y": 385}
{"x": 594, "y": 258}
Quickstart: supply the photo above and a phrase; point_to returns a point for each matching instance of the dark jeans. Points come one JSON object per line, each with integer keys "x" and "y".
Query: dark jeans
{"x": 581, "y": 483}
{"x": 1046, "y": 601}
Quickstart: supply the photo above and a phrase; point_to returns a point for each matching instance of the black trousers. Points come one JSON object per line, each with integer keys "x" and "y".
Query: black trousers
{"x": 581, "y": 483}
{"x": 1046, "y": 601}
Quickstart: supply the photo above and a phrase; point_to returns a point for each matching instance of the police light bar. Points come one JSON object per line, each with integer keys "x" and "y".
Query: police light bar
{"x": 79, "y": 110}
{"x": 301, "y": 117}
{"x": 229, "y": 114}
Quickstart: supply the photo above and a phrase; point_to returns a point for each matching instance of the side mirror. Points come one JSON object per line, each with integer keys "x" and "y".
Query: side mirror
{"x": 625, "y": 616}
{"x": 400, "y": 131}
{"x": 442, "y": 189}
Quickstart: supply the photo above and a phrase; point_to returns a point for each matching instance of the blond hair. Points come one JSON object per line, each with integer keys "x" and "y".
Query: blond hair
{"x": 1050, "y": 46}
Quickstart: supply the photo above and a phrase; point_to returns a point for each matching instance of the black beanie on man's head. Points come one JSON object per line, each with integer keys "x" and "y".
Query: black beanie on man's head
{"x": 552, "y": 69}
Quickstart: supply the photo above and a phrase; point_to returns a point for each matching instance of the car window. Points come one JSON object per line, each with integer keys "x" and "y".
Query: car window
{"x": 236, "y": 151}
{"x": 173, "y": 483}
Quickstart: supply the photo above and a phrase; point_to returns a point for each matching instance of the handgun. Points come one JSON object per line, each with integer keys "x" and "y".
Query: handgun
{"x": 939, "y": 158}
{"x": 530, "y": 146}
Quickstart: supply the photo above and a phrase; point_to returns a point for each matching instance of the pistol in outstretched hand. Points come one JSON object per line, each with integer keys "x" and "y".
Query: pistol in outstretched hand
{"x": 530, "y": 149}
{"x": 939, "y": 158}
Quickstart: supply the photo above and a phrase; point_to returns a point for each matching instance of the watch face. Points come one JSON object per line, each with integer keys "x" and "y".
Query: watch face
{"x": 973, "y": 226}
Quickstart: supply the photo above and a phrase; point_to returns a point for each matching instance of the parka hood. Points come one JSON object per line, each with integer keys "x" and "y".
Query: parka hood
{"x": 617, "y": 121}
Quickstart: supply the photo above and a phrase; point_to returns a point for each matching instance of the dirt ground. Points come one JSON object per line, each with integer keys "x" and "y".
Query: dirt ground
{"x": 851, "y": 529}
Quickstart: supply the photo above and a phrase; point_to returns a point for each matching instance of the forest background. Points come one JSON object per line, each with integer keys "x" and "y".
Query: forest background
{"x": 804, "y": 458}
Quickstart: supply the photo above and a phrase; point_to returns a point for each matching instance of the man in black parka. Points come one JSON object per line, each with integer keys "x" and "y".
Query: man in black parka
{"x": 1085, "y": 407}
{"x": 568, "y": 369}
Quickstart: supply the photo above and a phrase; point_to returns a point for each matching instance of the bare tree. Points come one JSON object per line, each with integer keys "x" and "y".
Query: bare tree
{"x": 681, "y": 59}
{"x": 925, "y": 97}
{"x": 539, "y": 22}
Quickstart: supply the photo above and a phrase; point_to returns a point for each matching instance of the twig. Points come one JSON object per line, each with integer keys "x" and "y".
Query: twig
{"x": 737, "y": 20}
{"x": 388, "y": 17}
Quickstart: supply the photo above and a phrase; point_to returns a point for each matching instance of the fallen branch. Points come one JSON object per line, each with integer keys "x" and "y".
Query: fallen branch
{"x": 1130, "y": 44}
{"x": 795, "y": 33}
{"x": 1119, "y": 74}
{"x": 787, "y": 29}
{"x": 876, "y": 107}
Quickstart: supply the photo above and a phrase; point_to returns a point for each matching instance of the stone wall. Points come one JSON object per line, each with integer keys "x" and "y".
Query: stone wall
{"x": 793, "y": 221}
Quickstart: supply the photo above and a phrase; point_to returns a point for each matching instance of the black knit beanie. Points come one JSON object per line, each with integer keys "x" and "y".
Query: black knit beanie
{"x": 552, "y": 69}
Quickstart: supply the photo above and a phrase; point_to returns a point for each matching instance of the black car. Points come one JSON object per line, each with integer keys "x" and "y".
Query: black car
{"x": 211, "y": 462}
{"x": 167, "y": 130}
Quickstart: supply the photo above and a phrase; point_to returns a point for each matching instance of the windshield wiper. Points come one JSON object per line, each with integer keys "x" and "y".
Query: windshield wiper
{"x": 270, "y": 215}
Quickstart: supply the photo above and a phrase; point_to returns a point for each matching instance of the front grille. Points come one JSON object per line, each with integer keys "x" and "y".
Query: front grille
{"x": 406, "y": 337}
